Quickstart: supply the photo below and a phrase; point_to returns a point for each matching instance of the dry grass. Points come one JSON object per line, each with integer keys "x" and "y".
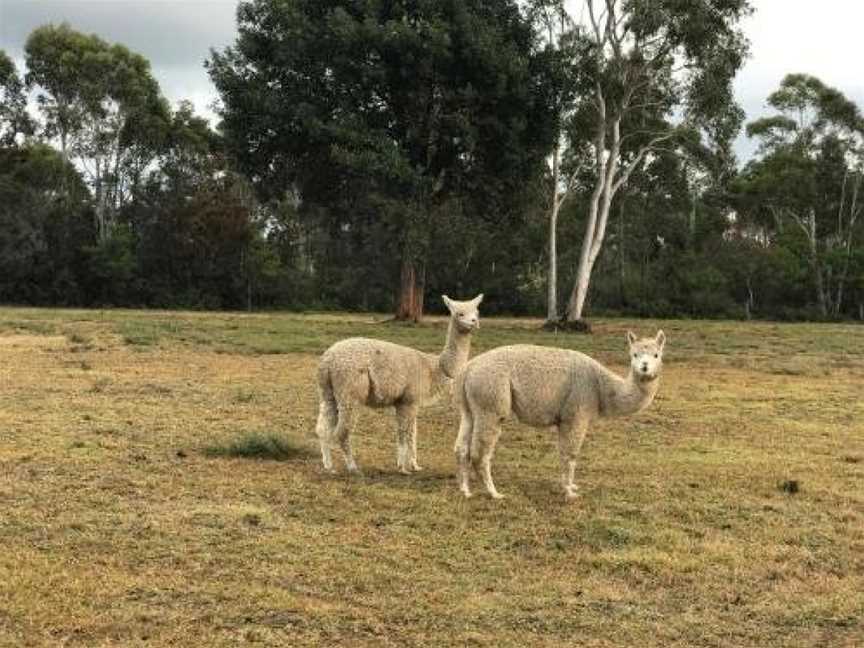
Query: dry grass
{"x": 159, "y": 486}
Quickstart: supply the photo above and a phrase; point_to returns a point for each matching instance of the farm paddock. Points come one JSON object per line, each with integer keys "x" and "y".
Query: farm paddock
{"x": 160, "y": 484}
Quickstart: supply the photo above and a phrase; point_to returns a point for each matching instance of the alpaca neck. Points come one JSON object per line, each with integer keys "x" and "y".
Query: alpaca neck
{"x": 628, "y": 395}
{"x": 456, "y": 350}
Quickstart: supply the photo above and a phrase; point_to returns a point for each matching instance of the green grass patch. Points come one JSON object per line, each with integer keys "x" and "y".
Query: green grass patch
{"x": 244, "y": 395}
{"x": 259, "y": 445}
{"x": 139, "y": 333}
{"x": 36, "y": 327}
{"x": 79, "y": 338}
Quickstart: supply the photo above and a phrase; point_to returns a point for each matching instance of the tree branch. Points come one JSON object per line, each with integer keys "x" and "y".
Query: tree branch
{"x": 643, "y": 151}
{"x": 612, "y": 29}
{"x": 595, "y": 24}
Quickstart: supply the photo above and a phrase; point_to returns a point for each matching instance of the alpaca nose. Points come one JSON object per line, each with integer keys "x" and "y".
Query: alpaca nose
{"x": 644, "y": 366}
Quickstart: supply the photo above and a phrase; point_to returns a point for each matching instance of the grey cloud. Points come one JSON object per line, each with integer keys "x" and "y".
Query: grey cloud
{"x": 175, "y": 36}
{"x": 168, "y": 33}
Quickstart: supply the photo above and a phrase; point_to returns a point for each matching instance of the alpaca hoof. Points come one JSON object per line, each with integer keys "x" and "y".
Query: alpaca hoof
{"x": 467, "y": 493}
{"x": 496, "y": 495}
{"x": 571, "y": 494}
{"x": 404, "y": 471}
{"x": 416, "y": 468}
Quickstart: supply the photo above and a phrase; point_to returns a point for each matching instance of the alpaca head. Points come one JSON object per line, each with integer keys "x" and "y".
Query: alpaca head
{"x": 646, "y": 355}
{"x": 464, "y": 313}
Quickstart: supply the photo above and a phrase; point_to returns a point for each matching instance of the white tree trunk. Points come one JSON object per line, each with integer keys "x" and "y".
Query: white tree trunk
{"x": 598, "y": 213}
{"x": 552, "y": 274}
{"x": 610, "y": 34}
{"x": 821, "y": 296}
{"x": 847, "y": 243}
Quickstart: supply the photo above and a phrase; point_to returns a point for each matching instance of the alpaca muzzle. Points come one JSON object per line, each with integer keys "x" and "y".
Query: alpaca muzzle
{"x": 467, "y": 327}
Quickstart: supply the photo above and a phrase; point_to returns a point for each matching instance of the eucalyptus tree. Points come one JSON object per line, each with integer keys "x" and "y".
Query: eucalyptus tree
{"x": 14, "y": 119}
{"x": 61, "y": 63}
{"x": 405, "y": 110}
{"x": 647, "y": 68}
{"x": 560, "y": 47}
{"x": 103, "y": 104}
{"x": 808, "y": 178}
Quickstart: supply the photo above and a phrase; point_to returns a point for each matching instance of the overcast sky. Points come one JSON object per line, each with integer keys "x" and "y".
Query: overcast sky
{"x": 176, "y": 36}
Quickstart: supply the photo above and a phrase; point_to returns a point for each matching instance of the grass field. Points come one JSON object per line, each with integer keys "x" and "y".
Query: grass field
{"x": 159, "y": 485}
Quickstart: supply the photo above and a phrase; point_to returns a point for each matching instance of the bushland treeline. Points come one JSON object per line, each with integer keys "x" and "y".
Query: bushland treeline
{"x": 372, "y": 154}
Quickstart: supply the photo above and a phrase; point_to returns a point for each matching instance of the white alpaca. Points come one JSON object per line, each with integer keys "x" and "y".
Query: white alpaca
{"x": 547, "y": 387}
{"x": 360, "y": 371}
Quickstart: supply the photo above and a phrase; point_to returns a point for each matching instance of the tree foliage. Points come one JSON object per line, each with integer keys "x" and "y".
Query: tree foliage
{"x": 14, "y": 119}
{"x": 401, "y": 110}
{"x": 105, "y": 107}
{"x": 424, "y": 147}
{"x": 45, "y": 224}
{"x": 805, "y": 187}
{"x": 639, "y": 62}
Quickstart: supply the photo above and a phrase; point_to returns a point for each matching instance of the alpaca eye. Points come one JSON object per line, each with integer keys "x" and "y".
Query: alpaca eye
{"x": 634, "y": 356}
{"x": 655, "y": 355}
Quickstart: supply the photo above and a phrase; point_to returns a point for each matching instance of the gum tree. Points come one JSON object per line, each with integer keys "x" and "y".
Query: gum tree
{"x": 101, "y": 101}
{"x": 805, "y": 187}
{"x": 648, "y": 70}
{"x": 14, "y": 119}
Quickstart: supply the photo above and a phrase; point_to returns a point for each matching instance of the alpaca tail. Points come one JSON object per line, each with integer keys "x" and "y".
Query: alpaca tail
{"x": 325, "y": 385}
{"x": 326, "y": 394}
{"x": 327, "y": 415}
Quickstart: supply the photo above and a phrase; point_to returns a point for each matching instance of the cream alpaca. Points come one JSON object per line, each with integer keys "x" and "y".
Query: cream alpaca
{"x": 547, "y": 387}
{"x": 360, "y": 371}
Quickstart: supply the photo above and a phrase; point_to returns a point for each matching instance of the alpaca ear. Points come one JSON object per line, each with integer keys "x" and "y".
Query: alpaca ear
{"x": 477, "y": 300}
{"x": 447, "y": 302}
{"x": 631, "y": 338}
{"x": 660, "y": 339}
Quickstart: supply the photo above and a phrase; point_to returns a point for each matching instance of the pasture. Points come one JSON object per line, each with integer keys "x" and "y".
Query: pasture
{"x": 160, "y": 485}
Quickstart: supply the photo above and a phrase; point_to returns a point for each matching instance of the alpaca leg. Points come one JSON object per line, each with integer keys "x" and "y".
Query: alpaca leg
{"x": 571, "y": 435}
{"x": 327, "y": 419}
{"x": 406, "y": 416}
{"x": 414, "y": 465}
{"x": 483, "y": 440}
{"x": 342, "y": 433}
{"x": 463, "y": 452}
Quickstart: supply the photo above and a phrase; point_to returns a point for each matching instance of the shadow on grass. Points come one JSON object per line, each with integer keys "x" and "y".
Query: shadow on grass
{"x": 425, "y": 481}
{"x": 257, "y": 445}
{"x": 425, "y": 477}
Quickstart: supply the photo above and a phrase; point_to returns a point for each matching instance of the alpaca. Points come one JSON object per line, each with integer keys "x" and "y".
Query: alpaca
{"x": 547, "y": 387}
{"x": 375, "y": 373}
